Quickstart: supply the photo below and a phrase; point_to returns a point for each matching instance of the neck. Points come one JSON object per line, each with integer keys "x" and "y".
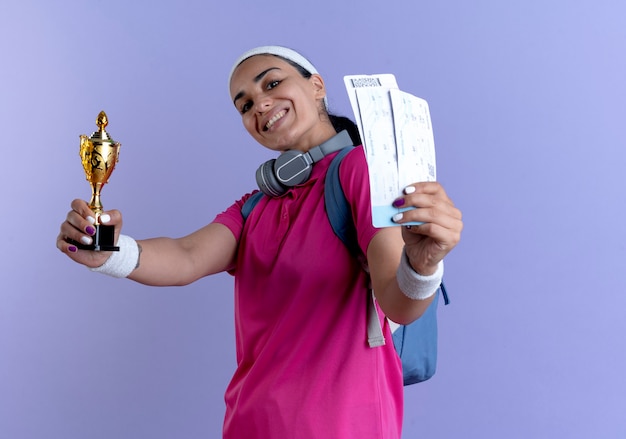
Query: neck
{"x": 321, "y": 134}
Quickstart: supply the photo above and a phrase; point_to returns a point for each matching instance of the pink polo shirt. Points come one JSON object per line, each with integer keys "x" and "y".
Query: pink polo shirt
{"x": 304, "y": 369}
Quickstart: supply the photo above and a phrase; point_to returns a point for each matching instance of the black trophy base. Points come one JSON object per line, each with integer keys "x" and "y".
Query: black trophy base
{"x": 103, "y": 240}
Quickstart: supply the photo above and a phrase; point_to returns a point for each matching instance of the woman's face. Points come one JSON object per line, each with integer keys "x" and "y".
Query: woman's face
{"x": 279, "y": 107}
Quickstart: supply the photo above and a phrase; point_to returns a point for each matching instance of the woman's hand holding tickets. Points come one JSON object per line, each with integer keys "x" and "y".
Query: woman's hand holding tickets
{"x": 428, "y": 243}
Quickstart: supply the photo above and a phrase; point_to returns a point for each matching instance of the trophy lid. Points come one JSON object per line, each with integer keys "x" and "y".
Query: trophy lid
{"x": 101, "y": 136}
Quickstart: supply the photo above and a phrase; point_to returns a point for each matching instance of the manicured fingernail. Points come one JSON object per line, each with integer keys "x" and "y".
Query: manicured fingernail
{"x": 90, "y": 230}
{"x": 409, "y": 190}
{"x": 86, "y": 240}
{"x": 91, "y": 219}
{"x": 72, "y": 249}
{"x": 105, "y": 218}
{"x": 399, "y": 202}
{"x": 397, "y": 217}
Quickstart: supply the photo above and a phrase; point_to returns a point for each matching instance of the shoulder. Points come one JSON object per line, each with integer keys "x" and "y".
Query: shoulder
{"x": 353, "y": 171}
{"x": 232, "y": 217}
{"x": 355, "y": 158}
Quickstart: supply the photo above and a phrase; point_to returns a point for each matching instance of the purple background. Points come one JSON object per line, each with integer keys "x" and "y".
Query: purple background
{"x": 527, "y": 100}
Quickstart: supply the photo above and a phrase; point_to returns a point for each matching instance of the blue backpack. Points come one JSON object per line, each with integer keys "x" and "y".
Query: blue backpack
{"x": 415, "y": 343}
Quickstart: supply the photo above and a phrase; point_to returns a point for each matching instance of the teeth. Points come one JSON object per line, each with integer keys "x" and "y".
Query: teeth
{"x": 273, "y": 120}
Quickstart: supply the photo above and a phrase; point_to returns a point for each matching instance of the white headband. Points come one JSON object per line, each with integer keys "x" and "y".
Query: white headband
{"x": 283, "y": 52}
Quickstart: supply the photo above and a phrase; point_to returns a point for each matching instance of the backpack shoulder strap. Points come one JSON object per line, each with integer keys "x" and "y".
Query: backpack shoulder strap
{"x": 337, "y": 206}
{"x": 340, "y": 217}
{"x": 249, "y": 204}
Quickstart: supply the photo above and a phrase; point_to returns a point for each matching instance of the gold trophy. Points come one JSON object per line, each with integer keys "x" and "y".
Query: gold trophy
{"x": 99, "y": 154}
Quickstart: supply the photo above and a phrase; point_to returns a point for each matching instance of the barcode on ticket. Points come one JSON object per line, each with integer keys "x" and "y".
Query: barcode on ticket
{"x": 365, "y": 82}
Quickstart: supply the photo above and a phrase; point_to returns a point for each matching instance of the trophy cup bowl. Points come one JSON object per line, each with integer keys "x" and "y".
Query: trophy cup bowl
{"x": 99, "y": 154}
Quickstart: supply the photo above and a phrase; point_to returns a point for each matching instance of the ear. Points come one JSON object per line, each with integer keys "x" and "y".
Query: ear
{"x": 318, "y": 86}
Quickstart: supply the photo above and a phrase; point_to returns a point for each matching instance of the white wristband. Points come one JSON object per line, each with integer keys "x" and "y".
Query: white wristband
{"x": 121, "y": 263}
{"x": 414, "y": 285}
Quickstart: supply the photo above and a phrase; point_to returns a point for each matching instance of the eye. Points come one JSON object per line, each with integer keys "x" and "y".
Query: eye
{"x": 272, "y": 84}
{"x": 245, "y": 107}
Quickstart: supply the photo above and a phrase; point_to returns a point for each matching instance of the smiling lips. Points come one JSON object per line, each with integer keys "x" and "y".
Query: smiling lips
{"x": 274, "y": 119}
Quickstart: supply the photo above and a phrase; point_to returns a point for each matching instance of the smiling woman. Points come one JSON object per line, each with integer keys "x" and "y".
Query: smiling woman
{"x": 303, "y": 366}
{"x": 280, "y": 108}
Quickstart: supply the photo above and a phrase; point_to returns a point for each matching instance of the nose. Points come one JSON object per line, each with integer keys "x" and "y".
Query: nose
{"x": 263, "y": 103}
